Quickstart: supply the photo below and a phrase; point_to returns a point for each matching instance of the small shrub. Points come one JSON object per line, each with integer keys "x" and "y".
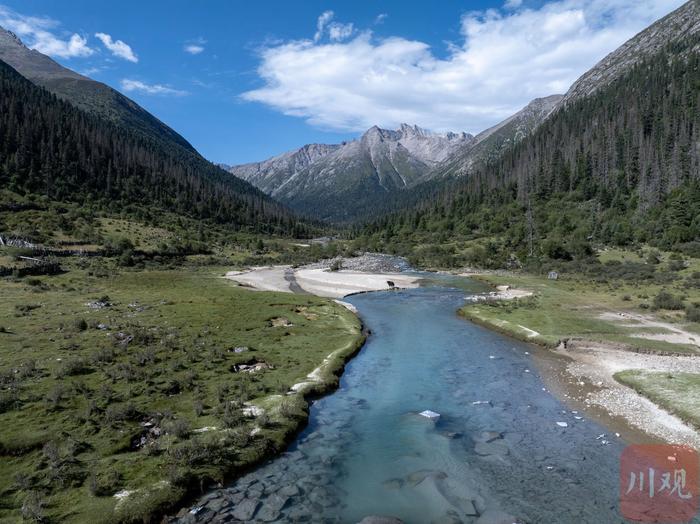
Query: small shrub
{"x": 692, "y": 314}
{"x": 676, "y": 265}
{"x": 180, "y": 428}
{"x": 665, "y": 300}
{"x": 55, "y": 395}
{"x": 72, "y": 367}
{"x": 653, "y": 258}
{"x": 80, "y": 324}
{"x": 105, "y": 483}
{"x": 9, "y": 400}
{"x": 232, "y": 416}
{"x": 626, "y": 298}
{"x": 116, "y": 413}
{"x": 103, "y": 356}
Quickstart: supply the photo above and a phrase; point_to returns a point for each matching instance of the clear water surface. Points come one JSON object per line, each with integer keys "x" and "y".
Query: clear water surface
{"x": 495, "y": 455}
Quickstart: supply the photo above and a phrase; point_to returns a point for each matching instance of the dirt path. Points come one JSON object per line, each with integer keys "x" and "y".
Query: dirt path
{"x": 667, "y": 332}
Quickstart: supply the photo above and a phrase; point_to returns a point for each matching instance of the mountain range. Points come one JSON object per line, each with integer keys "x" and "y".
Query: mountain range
{"x": 615, "y": 162}
{"x": 335, "y": 182}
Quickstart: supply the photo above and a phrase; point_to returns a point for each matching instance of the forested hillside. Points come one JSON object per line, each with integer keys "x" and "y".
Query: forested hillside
{"x": 50, "y": 148}
{"x": 618, "y": 167}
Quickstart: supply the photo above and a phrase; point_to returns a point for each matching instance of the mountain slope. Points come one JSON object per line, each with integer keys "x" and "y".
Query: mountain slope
{"x": 269, "y": 175}
{"x": 49, "y": 147}
{"x": 673, "y": 28}
{"x": 490, "y": 144}
{"x": 84, "y": 93}
{"x": 618, "y": 166}
{"x": 335, "y": 181}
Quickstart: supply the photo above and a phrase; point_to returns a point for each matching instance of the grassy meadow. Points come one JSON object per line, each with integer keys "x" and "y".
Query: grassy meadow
{"x": 572, "y": 305}
{"x": 127, "y": 382}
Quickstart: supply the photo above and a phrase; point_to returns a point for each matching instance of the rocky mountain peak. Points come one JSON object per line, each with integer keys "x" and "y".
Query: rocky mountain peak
{"x": 8, "y": 37}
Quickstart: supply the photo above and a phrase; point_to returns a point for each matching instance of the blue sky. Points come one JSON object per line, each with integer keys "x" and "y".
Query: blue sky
{"x": 243, "y": 81}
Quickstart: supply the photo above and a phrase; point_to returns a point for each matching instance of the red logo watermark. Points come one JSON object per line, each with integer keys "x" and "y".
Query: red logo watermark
{"x": 659, "y": 483}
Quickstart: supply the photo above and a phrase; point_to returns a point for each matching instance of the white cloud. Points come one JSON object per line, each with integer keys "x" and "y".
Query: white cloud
{"x": 118, "y": 48}
{"x": 38, "y": 33}
{"x": 321, "y": 23}
{"x": 336, "y": 31}
{"x": 130, "y": 85}
{"x": 193, "y": 49}
{"x": 194, "y": 46}
{"x": 513, "y": 4}
{"x": 504, "y": 60}
{"x": 380, "y": 18}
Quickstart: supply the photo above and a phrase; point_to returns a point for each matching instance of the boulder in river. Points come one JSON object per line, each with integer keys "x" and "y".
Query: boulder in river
{"x": 245, "y": 509}
{"x": 378, "y": 519}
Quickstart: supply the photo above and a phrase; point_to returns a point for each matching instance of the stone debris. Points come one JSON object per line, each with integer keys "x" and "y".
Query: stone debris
{"x": 562, "y": 424}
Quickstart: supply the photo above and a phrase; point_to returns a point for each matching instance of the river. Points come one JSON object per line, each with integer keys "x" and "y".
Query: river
{"x": 496, "y": 454}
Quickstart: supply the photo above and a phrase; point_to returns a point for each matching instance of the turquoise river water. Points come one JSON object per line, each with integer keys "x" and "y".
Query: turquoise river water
{"x": 496, "y": 454}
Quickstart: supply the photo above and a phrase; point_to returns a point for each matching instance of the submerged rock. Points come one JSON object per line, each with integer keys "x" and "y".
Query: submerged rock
{"x": 374, "y": 519}
{"x": 245, "y": 510}
{"x": 419, "y": 476}
{"x": 496, "y": 517}
{"x": 393, "y": 483}
{"x": 494, "y": 447}
{"x": 487, "y": 436}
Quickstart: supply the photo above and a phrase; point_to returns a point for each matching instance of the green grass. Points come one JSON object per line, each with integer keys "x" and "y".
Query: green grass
{"x": 74, "y": 397}
{"x": 570, "y": 307}
{"x": 678, "y": 393}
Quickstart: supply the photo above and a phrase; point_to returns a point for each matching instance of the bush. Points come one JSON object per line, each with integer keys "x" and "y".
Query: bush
{"x": 104, "y": 484}
{"x": 232, "y": 416}
{"x": 676, "y": 265}
{"x": 81, "y": 324}
{"x": 665, "y": 300}
{"x": 72, "y": 367}
{"x": 120, "y": 413}
{"x": 692, "y": 313}
{"x": 653, "y": 258}
{"x": 180, "y": 428}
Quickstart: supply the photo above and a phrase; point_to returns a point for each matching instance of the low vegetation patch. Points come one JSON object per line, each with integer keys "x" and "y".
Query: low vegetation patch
{"x": 678, "y": 393}
{"x": 119, "y": 390}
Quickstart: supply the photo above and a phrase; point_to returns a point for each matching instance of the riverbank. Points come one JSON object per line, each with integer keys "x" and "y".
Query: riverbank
{"x": 330, "y": 278}
{"x": 600, "y": 340}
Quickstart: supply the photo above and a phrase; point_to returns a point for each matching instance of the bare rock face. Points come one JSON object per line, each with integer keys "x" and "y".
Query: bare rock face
{"x": 315, "y": 177}
{"x": 675, "y": 27}
{"x": 493, "y": 142}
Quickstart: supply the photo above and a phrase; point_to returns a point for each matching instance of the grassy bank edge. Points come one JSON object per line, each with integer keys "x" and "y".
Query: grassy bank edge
{"x": 467, "y": 312}
{"x": 331, "y": 369}
{"x": 640, "y": 382}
